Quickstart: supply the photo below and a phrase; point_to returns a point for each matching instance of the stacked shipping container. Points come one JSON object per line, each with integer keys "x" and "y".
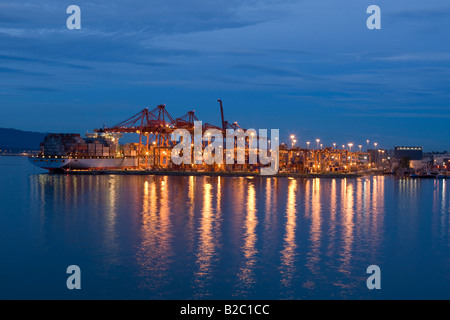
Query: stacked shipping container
{"x": 57, "y": 144}
{"x": 60, "y": 143}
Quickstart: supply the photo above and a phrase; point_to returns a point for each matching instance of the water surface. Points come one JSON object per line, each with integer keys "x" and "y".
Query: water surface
{"x": 156, "y": 237}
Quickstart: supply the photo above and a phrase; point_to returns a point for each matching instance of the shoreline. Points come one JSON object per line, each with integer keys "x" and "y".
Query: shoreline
{"x": 221, "y": 174}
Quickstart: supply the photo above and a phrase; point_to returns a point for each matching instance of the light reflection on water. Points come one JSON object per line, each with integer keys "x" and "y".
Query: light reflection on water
{"x": 246, "y": 276}
{"x": 288, "y": 254}
{"x": 161, "y": 237}
{"x": 208, "y": 243}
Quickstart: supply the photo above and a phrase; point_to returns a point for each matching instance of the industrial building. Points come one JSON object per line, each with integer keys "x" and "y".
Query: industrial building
{"x": 411, "y": 153}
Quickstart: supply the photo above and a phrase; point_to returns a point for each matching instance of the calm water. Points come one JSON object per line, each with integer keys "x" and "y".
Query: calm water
{"x": 144, "y": 237}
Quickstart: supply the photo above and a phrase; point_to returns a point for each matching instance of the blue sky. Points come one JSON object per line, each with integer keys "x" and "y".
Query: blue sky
{"x": 309, "y": 68}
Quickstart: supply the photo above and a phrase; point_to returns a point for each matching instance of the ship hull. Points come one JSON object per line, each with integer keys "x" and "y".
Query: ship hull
{"x": 56, "y": 165}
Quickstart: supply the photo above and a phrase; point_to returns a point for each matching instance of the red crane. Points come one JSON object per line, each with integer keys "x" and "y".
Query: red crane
{"x": 157, "y": 126}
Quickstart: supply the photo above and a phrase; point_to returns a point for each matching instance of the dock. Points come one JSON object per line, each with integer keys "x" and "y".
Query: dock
{"x": 214, "y": 174}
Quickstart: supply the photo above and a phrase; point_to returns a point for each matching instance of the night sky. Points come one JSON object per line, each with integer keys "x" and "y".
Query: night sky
{"x": 309, "y": 68}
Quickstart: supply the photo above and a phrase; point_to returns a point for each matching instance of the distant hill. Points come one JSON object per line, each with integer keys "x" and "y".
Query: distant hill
{"x": 15, "y": 140}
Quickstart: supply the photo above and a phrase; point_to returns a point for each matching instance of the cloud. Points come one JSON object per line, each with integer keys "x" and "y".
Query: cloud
{"x": 266, "y": 70}
{"x": 154, "y": 63}
{"x": 308, "y": 55}
{"x": 418, "y": 57}
{"x": 38, "y": 89}
{"x": 20, "y": 72}
{"x": 402, "y": 115}
{"x": 43, "y": 61}
{"x": 428, "y": 14}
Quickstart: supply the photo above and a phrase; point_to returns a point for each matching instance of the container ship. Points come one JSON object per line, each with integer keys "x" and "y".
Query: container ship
{"x": 100, "y": 150}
